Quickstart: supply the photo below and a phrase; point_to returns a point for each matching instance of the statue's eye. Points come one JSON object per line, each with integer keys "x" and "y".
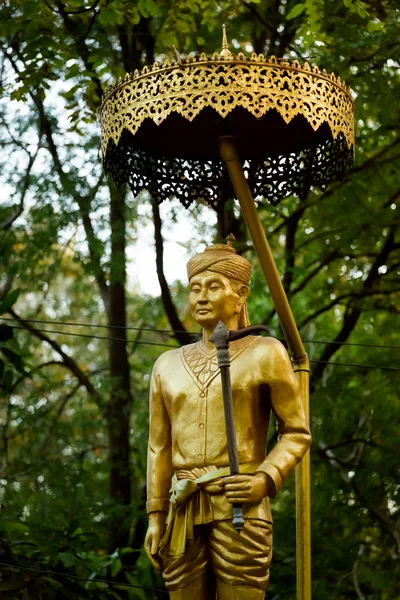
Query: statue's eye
{"x": 195, "y": 290}
{"x": 214, "y": 288}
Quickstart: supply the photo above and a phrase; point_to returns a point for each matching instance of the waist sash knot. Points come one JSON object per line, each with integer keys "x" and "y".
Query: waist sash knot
{"x": 190, "y": 505}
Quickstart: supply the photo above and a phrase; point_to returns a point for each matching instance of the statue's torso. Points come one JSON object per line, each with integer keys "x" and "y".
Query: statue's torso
{"x": 191, "y": 390}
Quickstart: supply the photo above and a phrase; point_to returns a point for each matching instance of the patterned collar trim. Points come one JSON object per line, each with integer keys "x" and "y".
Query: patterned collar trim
{"x": 203, "y": 366}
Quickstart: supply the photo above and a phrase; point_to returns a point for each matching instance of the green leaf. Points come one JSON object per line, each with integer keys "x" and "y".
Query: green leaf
{"x": 73, "y": 71}
{"x": 14, "y": 359}
{"x": 8, "y": 379}
{"x": 296, "y": 11}
{"x": 53, "y": 582}
{"x": 149, "y": 8}
{"x": 16, "y": 527}
{"x": 68, "y": 559}
{"x": 9, "y": 586}
{"x": 373, "y": 26}
{"x": 137, "y": 593}
{"x": 9, "y": 301}
{"x": 128, "y": 550}
{"x": 116, "y": 567}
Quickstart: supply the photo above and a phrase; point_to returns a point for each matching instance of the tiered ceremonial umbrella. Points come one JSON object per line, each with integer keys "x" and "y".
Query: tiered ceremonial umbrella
{"x": 212, "y": 128}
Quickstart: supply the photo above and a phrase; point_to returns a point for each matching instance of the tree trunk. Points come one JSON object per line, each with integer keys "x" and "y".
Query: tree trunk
{"x": 120, "y": 401}
{"x": 228, "y": 223}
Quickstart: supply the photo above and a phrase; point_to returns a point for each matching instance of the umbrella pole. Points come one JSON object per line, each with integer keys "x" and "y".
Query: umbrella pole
{"x": 229, "y": 154}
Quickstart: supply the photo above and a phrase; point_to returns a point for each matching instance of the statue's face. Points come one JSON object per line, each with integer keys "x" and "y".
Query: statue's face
{"x": 212, "y": 299}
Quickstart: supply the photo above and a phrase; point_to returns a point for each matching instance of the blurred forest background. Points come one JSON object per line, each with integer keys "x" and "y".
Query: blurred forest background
{"x": 73, "y": 398}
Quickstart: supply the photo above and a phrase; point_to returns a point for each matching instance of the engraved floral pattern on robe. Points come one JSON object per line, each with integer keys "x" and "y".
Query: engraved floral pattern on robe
{"x": 202, "y": 366}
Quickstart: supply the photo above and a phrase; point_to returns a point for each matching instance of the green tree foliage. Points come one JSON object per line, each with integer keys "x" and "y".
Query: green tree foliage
{"x": 73, "y": 410}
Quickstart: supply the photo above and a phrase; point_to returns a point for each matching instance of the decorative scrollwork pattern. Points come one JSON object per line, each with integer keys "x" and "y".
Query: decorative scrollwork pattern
{"x": 224, "y": 83}
{"x": 194, "y": 180}
{"x": 257, "y": 84}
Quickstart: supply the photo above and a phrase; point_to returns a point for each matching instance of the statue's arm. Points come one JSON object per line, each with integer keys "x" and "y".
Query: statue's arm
{"x": 294, "y": 434}
{"x": 159, "y": 469}
{"x": 159, "y": 463}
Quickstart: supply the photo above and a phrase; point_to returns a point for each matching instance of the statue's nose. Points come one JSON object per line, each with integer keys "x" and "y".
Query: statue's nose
{"x": 202, "y": 297}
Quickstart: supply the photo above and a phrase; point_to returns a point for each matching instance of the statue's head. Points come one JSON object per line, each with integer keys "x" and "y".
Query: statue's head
{"x": 219, "y": 286}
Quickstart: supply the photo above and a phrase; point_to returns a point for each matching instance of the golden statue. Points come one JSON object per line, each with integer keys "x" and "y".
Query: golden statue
{"x": 190, "y": 491}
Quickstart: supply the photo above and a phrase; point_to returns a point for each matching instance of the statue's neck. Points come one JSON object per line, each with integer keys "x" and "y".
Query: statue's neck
{"x": 232, "y": 323}
{"x": 205, "y": 338}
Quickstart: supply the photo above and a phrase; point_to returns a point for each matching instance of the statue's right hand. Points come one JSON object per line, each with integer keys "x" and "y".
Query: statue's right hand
{"x": 153, "y": 537}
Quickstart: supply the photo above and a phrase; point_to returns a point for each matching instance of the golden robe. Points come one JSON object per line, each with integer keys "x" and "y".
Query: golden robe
{"x": 187, "y": 425}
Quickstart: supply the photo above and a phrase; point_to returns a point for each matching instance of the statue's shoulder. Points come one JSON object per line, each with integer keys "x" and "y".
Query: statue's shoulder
{"x": 269, "y": 347}
{"x": 166, "y": 359}
{"x": 171, "y": 359}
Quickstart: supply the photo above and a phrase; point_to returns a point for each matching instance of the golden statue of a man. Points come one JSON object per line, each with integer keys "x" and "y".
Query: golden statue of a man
{"x": 190, "y": 493}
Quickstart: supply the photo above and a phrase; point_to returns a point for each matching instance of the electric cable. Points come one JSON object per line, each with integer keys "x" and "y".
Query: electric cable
{"x": 95, "y": 337}
{"x": 102, "y": 337}
{"x": 95, "y": 325}
{"x": 108, "y": 581}
{"x": 355, "y": 365}
{"x": 194, "y": 333}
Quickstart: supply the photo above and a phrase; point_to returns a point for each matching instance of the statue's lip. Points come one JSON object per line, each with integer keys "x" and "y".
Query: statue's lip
{"x": 202, "y": 311}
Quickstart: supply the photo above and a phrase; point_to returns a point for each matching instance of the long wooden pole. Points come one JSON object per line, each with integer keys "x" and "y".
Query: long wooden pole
{"x": 229, "y": 154}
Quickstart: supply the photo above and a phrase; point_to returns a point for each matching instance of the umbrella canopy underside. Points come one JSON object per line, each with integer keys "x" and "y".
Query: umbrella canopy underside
{"x": 294, "y": 128}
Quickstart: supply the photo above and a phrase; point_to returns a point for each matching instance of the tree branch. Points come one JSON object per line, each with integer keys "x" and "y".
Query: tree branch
{"x": 136, "y": 40}
{"x": 286, "y": 36}
{"x": 352, "y": 315}
{"x": 320, "y": 265}
{"x": 72, "y": 12}
{"x": 356, "y": 584}
{"x": 80, "y": 45}
{"x": 5, "y": 438}
{"x": 384, "y": 517}
{"x": 339, "y": 300}
{"x": 291, "y": 229}
{"x": 84, "y": 202}
{"x": 392, "y": 199}
{"x": 6, "y": 286}
{"x": 67, "y": 360}
{"x": 181, "y": 335}
{"x": 311, "y": 238}
{"x": 6, "y": 224}
{"x": 94, "y": 245}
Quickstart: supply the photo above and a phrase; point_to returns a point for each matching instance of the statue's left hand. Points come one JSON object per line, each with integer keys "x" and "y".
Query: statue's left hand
{"x": 245, "y": 489}
{"x": 154, "y": 534}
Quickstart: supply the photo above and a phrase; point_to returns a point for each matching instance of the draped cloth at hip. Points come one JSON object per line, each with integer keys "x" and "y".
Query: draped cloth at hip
{"x": 193, "y": 502}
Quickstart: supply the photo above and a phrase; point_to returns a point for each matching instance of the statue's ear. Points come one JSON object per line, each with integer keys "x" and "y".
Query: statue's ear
{"x": 243, "y": 292}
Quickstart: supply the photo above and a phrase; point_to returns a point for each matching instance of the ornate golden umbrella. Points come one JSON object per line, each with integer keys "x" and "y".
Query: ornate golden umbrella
{"x": 280, "y": 129}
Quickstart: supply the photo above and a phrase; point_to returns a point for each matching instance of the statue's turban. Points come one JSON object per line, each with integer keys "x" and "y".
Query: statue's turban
{"x": 222, "y": 259}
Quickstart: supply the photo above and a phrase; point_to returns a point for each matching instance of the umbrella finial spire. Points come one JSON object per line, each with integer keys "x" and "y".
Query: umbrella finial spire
{"x": 225, "y": 52}
{"x": 230, "y": 240}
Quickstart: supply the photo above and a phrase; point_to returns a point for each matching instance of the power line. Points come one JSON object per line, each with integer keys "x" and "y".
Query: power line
{"x": 103, "y": 337}
{"x": 194, "y": 333}
{"x": 108, "y": 581}
{"x": 361, "y": 344}
{"x": 95, "y": 337}
{"x": 95, "y": 325}
{"x": 340, "y": 364}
